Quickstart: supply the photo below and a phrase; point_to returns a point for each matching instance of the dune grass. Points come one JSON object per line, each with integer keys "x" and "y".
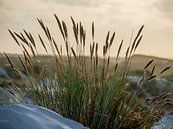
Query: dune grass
{"x": 85, "y": 88}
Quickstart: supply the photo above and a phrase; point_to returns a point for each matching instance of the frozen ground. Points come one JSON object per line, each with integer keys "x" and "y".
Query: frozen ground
{"x": 165, "y": 123}
{"x": 34, "y": 117}
{"x": 3, "y": 73}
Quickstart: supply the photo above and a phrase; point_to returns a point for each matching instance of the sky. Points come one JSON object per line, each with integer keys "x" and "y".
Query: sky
{"x": 121, "y": 16}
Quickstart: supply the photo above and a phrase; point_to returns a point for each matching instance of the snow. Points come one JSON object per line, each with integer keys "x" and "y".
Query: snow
{"x": 133, "y": 78}
{"x": 3, "y": 73}
{"x": 165, "y": 122}
{"x": 34, "y": 117}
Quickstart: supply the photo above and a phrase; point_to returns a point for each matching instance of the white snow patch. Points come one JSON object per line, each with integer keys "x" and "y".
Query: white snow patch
{"x": 3, "y": 73}
{"x": 165, "y": 122}
{"x": 34, "y": 117}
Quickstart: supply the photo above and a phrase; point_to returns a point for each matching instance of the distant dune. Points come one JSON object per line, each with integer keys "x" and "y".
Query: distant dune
{"x": 138, "y": 62}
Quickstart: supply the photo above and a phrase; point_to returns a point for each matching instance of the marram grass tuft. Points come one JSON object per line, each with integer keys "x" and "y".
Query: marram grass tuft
{"x": 86, "y": 88}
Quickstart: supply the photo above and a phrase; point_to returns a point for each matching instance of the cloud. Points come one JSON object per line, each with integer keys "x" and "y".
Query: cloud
{"x": 165, "y": 7}
{"x": 118, "y": 15}
{"x": 75, "y": 2}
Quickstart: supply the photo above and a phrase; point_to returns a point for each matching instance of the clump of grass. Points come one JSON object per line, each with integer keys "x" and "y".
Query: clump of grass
{"x": 85, "y": 88}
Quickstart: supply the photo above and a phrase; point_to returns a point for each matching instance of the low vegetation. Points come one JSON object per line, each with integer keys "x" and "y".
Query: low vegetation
{"x": 85, "y": 88}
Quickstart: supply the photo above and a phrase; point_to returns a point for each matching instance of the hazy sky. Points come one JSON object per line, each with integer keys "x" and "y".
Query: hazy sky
{"x": 121, "y": 16}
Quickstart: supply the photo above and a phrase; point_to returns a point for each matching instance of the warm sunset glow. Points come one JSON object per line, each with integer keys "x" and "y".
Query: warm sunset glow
{"x": 121, "y": 16}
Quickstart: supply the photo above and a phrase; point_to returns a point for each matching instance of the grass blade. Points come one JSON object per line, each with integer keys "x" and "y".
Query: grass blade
{"x": 14, "y": 37}
{"x": 148, "y": 64}
{"x": 164, "y": 70}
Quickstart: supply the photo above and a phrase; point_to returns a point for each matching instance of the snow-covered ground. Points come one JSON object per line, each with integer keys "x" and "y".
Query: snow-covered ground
{"x": 3, "y": 73}
{"x": 34, "y": 117}
{"x": 165, "y": 122}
